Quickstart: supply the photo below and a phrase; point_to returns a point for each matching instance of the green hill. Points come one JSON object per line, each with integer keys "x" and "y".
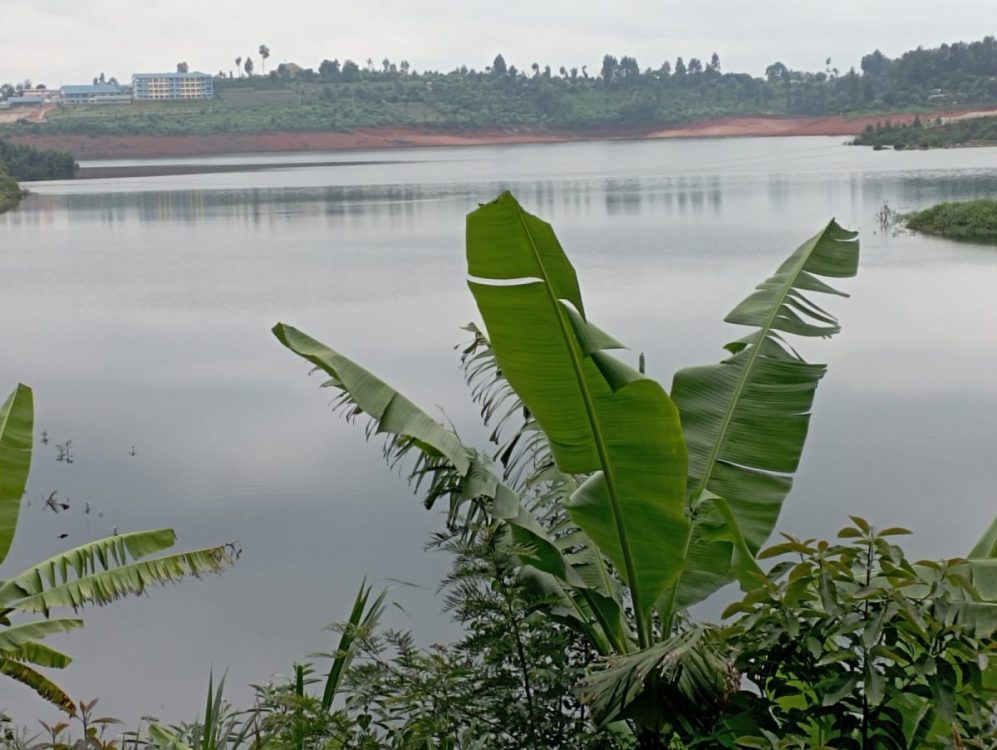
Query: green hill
{"x": 622, "y": 93}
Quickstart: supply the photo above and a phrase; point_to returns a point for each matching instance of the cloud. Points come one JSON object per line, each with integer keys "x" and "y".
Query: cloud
{"x": 63, "y": 41}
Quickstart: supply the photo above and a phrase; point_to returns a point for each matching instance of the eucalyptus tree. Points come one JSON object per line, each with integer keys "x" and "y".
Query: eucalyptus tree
{"x": 98, "y": 572}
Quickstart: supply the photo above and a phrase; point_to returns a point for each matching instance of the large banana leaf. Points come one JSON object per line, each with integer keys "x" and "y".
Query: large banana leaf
{"x": 97, "y": 572}
{"x": 746, "y": 418}
{"x": 600, "y": 417}
{"x": 42, "y": 655}
{"x": 460, "y": 471}
{"x": 16, "y": 420}
{"x": 987, "y": 546}
{"x": 14, "y": 638}
{"x": 134, "y": 578}
{"x": 92, "y": 557}
{"x": 527, "y": 462}
{"x": 37, "y": 682}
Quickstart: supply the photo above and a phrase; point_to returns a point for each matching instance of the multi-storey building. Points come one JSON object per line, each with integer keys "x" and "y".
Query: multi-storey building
{"x": 159, "y": 86}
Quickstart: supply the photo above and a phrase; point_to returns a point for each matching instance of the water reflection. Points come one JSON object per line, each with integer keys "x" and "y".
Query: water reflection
{"x": 142, "y": 310}
{"x": 396, "y": 205}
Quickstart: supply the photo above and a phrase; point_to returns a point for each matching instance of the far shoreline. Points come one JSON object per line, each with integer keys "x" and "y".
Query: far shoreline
{"x": 96, "y": 147}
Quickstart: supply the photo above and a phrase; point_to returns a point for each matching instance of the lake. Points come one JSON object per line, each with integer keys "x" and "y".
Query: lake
{"x": 139, "y": 309}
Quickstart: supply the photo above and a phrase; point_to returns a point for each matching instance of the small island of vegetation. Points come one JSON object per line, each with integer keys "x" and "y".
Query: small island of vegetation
{"x": 961, "y": 220}
{"x": 10, "y": 191}
{"x": 972, "y": 131}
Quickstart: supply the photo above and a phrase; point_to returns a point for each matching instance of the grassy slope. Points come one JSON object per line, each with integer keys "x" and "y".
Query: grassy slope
{"x": 966, "y": 220}
{"x": 445, "y": 102}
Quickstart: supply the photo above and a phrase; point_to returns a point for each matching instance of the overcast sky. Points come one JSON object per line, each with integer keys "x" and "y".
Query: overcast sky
{"x": 70, "y": 41}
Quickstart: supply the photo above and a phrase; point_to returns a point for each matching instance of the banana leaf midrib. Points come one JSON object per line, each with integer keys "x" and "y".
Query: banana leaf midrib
{"x": 557, "y": 482}
{"x": 568, "y": 336}
{"x": 752, "y": 357}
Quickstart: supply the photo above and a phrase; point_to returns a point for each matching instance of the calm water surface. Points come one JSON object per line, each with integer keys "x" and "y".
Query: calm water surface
{"x": 140, "y": 309}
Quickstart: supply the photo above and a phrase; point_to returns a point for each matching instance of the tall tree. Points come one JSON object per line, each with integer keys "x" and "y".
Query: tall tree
{"x": 238, "y": 64}
{"x": 351, "y": 71}
{"x": 264, "y": 54}
{"x": 248, "y": 66}
{"x": 875, "y": 64}
{"x": 183, "y": 67}
{"x": 853, "y": 85}
{"x": 329, "y": 70}
{"x": 714, "y": 65}
{"x": 777, "y": 71}
{"x": 629, "y": 67}
{"x": 680, "y": 69}
{"x": 610, "y": 67}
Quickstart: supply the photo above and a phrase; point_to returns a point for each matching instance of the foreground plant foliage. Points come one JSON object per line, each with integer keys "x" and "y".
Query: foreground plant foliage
{"x": 850, "y": 645}
{"x": 95, "y": 573}
{"x": 624, "y": 505}
{"x": 507, "y": 684}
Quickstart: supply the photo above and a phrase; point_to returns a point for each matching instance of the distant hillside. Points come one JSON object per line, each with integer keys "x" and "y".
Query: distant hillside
{"x": 341, "y": 97}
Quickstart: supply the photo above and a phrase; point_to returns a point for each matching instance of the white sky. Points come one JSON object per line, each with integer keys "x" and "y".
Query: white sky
{"x": 70, "y": 41}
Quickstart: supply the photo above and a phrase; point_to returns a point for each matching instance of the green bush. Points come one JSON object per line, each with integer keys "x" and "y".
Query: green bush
{"x": 962, "y": 220}
{"x": 849, "y": 644}
{"x": 26, "y": 163}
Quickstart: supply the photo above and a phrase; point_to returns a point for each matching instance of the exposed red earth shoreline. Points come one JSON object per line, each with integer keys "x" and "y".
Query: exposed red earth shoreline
{"x": 134, "y": 146}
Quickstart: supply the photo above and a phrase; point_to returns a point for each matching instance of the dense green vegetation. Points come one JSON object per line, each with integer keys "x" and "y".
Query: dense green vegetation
{"x": 10, "y": 191}
{"x": 961, "y": 220}
{"x": 622, "y": 92}
{"x": 26, "y": 163}
{"x": 973, "y": 131}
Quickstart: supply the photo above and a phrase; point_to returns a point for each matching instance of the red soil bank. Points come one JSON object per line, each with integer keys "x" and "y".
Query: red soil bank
{"x": 127, "y": 146}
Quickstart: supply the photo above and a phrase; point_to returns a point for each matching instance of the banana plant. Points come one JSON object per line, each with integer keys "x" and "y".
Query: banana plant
{"x": 661, "y": 499}
{"x": 97, "y": 573}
